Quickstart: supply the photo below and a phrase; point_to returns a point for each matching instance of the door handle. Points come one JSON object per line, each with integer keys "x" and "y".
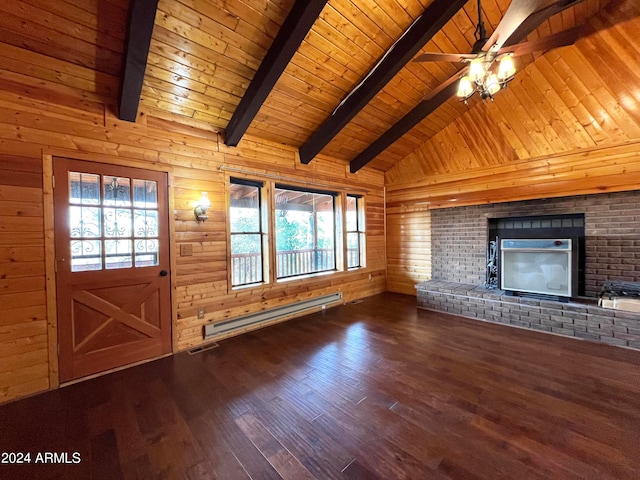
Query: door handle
{"x": 163, "y": 273}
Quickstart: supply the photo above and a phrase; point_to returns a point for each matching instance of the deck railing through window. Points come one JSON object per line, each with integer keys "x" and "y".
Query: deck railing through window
{"x": 247, "y": 267}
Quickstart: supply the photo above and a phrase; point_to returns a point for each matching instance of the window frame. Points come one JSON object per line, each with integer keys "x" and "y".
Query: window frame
{"x": 360, "y": 231}
{"x": 269, "y": 232}
{"x": 262, "y": 232}
{"x": 306, "y": 190}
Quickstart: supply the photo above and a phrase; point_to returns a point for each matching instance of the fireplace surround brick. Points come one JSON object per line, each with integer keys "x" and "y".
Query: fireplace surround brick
{"x": 612, "y": 236}
{"x": 612, "y": 252}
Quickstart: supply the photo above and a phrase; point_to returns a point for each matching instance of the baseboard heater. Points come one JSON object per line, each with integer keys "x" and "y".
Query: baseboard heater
{"x": 214, "y": 329}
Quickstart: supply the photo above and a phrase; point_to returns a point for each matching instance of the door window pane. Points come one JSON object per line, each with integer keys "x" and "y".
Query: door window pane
{"x": 117, "y": 191}
{"x": 118, "y": 254}
{"x": 103, "y": 229}
{"x": 84, "y": 188}
{"x": 145, "y": 223}
{"x": 85, "y": 222}
{"x": 86, "y": 255}
{"x": 117, "y": 222}
{"x": 145, "y": 194}
{"x": 146, "y": 253}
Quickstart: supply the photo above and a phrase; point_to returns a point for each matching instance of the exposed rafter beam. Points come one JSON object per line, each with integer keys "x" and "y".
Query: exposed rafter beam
{"x": 448, "y": 89}
{"x": 293, "y": 31}
{"x": 440, "y": 95}
{"x": 142, "y": 15}
{"x": 435, "y": 16}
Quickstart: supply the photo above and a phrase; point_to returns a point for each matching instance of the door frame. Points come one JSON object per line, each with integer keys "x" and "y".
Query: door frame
{"x": 50, "y": 254}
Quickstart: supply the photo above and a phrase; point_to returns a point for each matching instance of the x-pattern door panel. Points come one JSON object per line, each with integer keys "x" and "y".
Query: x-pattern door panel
{"x": 112, "y": 257}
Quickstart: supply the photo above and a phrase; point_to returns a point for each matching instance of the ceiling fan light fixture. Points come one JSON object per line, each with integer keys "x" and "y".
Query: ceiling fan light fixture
{"x": 476, "y": 69}
{"x": 506, "y": 67}
{"x": 465, "y": 88}
{"x": 492, "y": 84}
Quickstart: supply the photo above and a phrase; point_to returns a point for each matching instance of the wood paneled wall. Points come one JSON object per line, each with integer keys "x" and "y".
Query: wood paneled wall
{"x": 192, "y": 152}
{"x": 408, "y": 248}
{"x": 23, "y": 306}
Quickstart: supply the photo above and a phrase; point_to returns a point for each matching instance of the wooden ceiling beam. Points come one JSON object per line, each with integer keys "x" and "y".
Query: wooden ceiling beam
{"x": 142, "y": 15}
{"x": 301, "y": 18}
{"x": 448, "y": 89}
{"x": 435, "y": 16}
{"x": 440, "y": 95}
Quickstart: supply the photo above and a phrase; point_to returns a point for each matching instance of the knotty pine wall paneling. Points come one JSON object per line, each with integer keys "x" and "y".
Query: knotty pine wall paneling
{"x": 191, "y": 151}
{"x": 24, "y": 365}
{"x": 408, "y": 248}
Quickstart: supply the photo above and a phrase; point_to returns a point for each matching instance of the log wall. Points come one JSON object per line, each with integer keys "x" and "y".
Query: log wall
{"x": 33, "y": 129}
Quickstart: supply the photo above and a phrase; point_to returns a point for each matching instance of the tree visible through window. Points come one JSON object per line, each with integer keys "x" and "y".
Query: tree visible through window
{"x": 305, "y": 231}
{"x": 245, "y": 219}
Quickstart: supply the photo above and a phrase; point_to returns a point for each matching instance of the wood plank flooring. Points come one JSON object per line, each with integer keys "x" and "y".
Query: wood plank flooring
{"x": 374, "y": 390}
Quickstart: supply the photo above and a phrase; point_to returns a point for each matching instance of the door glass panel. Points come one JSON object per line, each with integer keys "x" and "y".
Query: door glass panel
{"x": 117, "y": 191}
{"x": 86, "y": 255}
{"x": 85, "y": 222}
{"x": 118, "y": 254}
{"x": 145, "y": 193}
{"x": 84, "y": 188}
{"x": 145, "y": 223}
{"x": 109, "y": 232}
{"x": 146, "y": 253}
{"x": 117, "y": 222}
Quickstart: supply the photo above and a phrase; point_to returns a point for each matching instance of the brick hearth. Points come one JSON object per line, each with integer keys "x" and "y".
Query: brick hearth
{"x": 573, "y": 319}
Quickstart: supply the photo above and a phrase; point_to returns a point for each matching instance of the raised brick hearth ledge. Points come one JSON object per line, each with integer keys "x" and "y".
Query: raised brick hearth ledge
{"x": 573, "y": 319}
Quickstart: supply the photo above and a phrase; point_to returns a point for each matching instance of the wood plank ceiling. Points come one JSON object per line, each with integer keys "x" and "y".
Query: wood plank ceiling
{"x": 204, "y": 53}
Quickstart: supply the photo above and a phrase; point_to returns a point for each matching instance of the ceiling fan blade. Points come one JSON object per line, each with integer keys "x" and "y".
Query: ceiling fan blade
{"x": 517, "y": 13}
{"x": 444, "y": 57}
{"x": 536, "y": 19}
{"x": 560, "y": 39}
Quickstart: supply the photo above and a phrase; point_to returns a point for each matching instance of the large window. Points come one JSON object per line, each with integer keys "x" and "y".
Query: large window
{"x": 305, "y": 231}
{"x": 355, "y": 231}
{"x": 246, "y": 226}
{"x": 280, "y": 232}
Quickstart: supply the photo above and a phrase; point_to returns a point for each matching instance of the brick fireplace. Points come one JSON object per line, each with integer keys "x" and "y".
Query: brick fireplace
{"x": 459, "y": 238}
{"x": 612, "y": 236}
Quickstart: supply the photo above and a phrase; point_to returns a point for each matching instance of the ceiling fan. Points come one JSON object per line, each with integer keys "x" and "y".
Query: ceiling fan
{"x": 490, "y": 64}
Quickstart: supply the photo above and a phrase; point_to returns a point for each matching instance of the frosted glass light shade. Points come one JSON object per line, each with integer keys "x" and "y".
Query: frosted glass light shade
{"x": 492, "y": 85}
{"x": 465, "y": 87}
{"x": 476, "y": 69}
{"x": 506, "y": 67}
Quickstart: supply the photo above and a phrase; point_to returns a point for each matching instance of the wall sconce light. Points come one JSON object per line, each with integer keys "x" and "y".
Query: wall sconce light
{"x": 200, "y": 211}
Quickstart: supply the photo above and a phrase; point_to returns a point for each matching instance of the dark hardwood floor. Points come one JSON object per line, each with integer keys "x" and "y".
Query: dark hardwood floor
{"x": 376, "y": 389}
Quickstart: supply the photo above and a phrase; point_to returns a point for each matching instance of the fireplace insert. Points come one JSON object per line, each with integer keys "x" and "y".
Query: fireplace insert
{"x": 537, "y": 266}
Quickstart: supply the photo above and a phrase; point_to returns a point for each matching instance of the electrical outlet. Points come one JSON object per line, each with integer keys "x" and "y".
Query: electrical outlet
{"x": 200, "y": 313}
{"x": 186, "y": 250}
{"x": 370, "y": 277}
